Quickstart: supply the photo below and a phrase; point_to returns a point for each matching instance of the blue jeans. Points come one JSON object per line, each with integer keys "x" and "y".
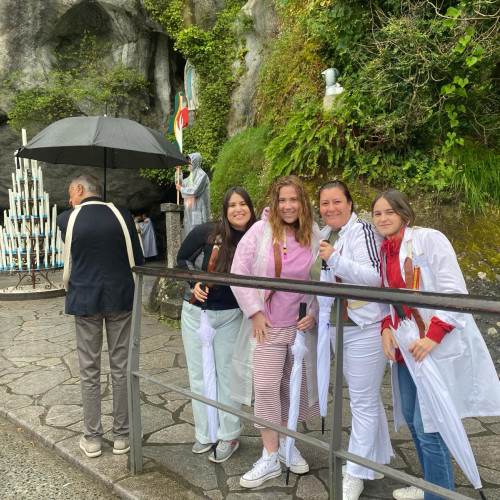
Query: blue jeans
{"x": 431, "y": 449}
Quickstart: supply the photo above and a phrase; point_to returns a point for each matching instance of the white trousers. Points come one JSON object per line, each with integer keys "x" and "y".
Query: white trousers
{"x": 364, "y": 368}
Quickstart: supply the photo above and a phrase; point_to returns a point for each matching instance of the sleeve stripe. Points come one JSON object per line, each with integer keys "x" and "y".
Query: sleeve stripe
{"x": 371, "y": 244}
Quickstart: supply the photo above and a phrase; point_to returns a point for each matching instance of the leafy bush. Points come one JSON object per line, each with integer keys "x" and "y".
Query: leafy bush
{"x": 419, "y": 83}
{"x": 241, "y": 162}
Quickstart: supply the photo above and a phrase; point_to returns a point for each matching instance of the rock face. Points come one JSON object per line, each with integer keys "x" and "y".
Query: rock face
{"x": 30, "y": 32}
{"x": 242, "y": 113}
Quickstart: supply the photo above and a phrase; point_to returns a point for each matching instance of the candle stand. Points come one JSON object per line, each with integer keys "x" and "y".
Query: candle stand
{"x": 31, "y": 247}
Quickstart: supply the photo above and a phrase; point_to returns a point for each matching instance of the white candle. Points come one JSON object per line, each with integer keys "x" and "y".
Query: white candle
{"x": 54, "y": 217}
{"x": 14, "y": 180}
{"x": 23, "y": 228}
{"x": 35, "y": 199}
{"x": 28, "y": 259}
{"x": 32, "y": 231}
{"x": 41, "y": 207}
{"x": 47, "y": 208}
{"x": 2, "y": 251}
{"x": 19, "y": 261}
{"x": 53, "y": 259}
{"x": 27, "y": 197}
{"x": 18, "y": 205}
{"x": 40, "y": 180}
{"x": 37, "y": 249}
{"x": 24, "y": 136}
{"x": 19, "y": 176}
{"x": 8, "y": 244}
{"x": 46, "y": 253}
{"x": 16, "y": 227}
{"x": 12, "y": 204}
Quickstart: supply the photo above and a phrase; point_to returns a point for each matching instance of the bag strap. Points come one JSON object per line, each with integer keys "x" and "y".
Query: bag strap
{"x": 210, "y": 267}
{"x": 69, "y": 237}
{"x": 277, "y": 267}
{"x": 412, "y": 276}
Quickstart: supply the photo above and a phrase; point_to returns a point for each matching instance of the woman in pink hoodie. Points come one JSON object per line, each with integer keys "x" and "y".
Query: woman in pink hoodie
{"x": 285, "y": 245}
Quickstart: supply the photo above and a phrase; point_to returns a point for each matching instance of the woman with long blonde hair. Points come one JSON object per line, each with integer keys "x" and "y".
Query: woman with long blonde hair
{"x": 283, "y": 245}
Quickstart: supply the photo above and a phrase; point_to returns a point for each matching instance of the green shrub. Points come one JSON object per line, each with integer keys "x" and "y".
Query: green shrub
{"x": 241, "y": 162}
{"x": 477, "y": 178}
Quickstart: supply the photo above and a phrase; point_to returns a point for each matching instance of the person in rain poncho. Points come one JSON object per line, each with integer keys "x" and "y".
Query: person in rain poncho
{"x": 350, "y": 248}
{"x": 285, "y": 245}
{"x": 423, "y": 258}
{"x": 210, "y": 247}
{"x": 195, "y": 190}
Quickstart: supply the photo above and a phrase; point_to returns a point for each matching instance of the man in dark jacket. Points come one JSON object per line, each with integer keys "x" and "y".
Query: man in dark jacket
{"x": 100, "y": 290}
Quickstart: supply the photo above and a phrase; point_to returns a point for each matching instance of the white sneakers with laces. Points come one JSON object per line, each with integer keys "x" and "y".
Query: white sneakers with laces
{"x": 352, "y": 487}
{"x": 299, "y": 465}
{"x": 408, "y": 493}
{"x": 267, "y": 467}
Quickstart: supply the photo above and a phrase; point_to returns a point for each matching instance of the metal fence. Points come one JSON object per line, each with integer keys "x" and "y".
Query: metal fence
{"x": 451, "y": 302}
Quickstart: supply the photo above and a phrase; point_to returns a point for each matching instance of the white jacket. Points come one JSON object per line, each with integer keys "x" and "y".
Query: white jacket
{"x": 257, "y": 242}
{"x": 356, "y": 261}
{"x": 462, "y": 357}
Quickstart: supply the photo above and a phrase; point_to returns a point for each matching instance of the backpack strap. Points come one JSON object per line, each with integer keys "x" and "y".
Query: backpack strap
{"x": 69, "y": 238}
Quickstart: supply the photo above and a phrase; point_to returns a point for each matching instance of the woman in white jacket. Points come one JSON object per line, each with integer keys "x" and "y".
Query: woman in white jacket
{"x": 422, "y": 258}
{"x": 349, "y": 253}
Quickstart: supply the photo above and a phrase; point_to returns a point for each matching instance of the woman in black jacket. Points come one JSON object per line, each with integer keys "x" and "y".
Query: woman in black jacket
{"x": 211, "y": 247}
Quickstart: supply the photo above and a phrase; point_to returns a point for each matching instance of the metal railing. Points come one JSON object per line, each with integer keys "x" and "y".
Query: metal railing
{"x": 451, "y": 302}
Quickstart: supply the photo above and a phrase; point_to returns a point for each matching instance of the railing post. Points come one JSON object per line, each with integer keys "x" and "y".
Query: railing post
{"x": 133, "y": 389}
{"x": 335, "y": 463}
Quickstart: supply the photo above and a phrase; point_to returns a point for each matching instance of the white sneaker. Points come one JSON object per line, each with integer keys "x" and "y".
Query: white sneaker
{"x": 409, "y": 493}
{"x": 267, "y": 467}
{"x": 378, "y": 475}
{"x": 299, "y": 465}
{"x": 351, "y": 487}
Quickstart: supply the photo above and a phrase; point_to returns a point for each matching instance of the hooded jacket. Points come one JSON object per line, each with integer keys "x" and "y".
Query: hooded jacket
{"x": 195, "y": 190}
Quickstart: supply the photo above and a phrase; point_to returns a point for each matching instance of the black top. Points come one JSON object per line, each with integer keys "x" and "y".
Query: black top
{"x": 100, "y": 279}
{"x": 194, "y": 254}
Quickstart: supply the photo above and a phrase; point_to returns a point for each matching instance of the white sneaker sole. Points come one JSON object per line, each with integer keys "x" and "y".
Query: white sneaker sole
{"x": 203, "y": 450}
{"x": 296, "y": 469}
{"x": 220, "y": 460}
{"x": 249, "y": 483}
{"x": 89, "y": 454}
{"x": 378, "y": 475}
{"x": 117, "y": 451}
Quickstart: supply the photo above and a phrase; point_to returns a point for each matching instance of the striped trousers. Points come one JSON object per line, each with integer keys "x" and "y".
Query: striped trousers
{"x": 272, "y": 365}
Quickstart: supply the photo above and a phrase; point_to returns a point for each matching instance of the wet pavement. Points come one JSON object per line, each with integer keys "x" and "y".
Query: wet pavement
{"x": 40, "y": 393}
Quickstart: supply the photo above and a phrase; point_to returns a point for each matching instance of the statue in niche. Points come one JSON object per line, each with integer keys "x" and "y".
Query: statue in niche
{"x": 190, "y": 84}
{"x": 332, "y": 86}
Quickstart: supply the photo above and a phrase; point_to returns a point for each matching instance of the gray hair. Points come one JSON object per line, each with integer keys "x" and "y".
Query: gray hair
{"x": 89, "y": 183}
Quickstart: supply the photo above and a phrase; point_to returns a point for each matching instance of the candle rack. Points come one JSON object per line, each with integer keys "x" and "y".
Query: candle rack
{"x": 31, "y": 246}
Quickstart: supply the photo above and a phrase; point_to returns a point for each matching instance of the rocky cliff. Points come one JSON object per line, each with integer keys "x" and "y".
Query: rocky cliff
{"x": 31, "y": 31}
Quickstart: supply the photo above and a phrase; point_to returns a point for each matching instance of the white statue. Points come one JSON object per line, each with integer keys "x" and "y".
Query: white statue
{"x": 332, "y": 87}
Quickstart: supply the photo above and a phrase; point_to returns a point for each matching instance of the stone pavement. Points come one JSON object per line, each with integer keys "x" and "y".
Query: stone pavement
{"x": 40, "y": 392}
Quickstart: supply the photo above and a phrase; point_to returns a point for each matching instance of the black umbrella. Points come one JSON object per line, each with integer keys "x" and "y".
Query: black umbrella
{"x": 101, "y": 141}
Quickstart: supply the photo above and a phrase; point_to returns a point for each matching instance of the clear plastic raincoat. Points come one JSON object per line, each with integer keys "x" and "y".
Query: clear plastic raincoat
{"x": 195, "y": 190}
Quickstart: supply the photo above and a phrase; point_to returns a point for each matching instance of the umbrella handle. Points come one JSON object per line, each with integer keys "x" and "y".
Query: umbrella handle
{"x": 302, "y": 310}
{"x": 399, "y": 311}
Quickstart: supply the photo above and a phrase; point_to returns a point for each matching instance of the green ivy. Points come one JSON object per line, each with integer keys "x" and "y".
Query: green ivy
{"x": 212, "y": 52}
{"x": 82, "y": 83}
